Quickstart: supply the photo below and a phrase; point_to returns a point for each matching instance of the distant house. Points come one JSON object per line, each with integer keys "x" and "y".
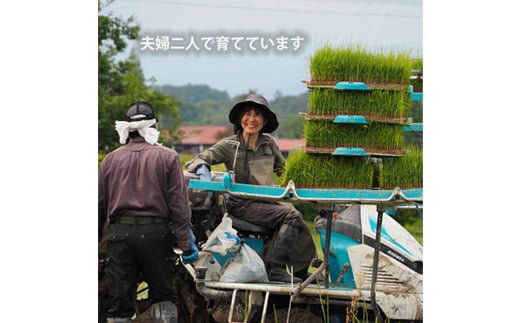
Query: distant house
{"x": 288, "y": 145}
{"x": 195, "y": 139}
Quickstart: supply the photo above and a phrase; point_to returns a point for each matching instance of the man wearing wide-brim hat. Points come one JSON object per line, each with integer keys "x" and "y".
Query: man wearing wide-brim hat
{"x": 254, "y": 157}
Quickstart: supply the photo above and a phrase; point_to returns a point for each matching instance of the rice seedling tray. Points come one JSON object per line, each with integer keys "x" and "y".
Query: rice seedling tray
{"x": 355, "y": 151}
{"x": 326, "y": 171}
{"x": 351, "y": 119}
{"x": 417, "y": 127}
{"x": 378, "y": 105}
{"x": 362, "y": 86}
{"x": 354, "y": 119}
{"x": 375, "y": 139}
{"x": 354, "y": 85}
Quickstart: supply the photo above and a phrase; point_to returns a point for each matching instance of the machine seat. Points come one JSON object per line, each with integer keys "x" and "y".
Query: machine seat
{"x": 248, "y": 228}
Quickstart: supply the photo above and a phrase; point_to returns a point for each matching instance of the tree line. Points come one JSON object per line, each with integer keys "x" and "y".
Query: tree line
{"x": 122, "y": 81}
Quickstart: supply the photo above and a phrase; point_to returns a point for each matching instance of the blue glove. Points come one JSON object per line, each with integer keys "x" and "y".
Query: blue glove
{"x": 190, "y": 256}
{"x": 203, "y": 172}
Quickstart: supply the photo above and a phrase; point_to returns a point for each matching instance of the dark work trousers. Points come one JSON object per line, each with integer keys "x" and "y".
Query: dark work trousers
{"x": 135, "y": 249}
{"x": 272, "y": 215}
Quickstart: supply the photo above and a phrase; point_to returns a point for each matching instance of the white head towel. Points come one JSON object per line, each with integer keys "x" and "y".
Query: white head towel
{"x": 151, "y": 135}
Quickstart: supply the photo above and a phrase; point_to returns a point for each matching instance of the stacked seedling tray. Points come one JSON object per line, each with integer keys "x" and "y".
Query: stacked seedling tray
{"x": 407, "y": 171}
{"x": 359, "y": 104}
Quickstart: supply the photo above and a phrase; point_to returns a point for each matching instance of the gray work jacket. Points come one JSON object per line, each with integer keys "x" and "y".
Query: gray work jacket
{"x": 251, "y": 166}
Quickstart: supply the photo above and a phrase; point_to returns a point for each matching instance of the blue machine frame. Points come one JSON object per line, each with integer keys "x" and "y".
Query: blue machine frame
{"x": 384, "y": 199}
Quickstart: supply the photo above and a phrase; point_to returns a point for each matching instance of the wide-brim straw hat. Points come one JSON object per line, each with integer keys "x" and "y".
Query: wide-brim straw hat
{"x": 256, "y": 100}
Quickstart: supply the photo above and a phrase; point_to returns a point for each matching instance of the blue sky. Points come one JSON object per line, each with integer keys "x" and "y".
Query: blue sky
{"x": 387, "y": 25}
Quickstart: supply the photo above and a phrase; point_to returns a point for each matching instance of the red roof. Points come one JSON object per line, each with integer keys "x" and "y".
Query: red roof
{"x": 203, "y": 135}
{"x": 290, "y": 144}
{"x": 209, "y": 135}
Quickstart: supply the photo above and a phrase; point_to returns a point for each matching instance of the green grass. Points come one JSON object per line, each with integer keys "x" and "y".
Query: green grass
{"x": 315, "y": 238}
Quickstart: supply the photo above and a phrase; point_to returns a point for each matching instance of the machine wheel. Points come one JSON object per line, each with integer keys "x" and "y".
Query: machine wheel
{"x": 297, "y": 315}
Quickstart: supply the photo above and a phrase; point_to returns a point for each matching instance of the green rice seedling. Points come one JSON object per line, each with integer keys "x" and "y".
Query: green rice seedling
{"x": 378, "y": 105}
{"x": 418, "y": 81}
{"x": 403, "y": 172}
{"x": 357, "y": 64}
{"x": 326, "y": 171}
{"x": 417, "y": 63}
{"x": 384, "y": 137}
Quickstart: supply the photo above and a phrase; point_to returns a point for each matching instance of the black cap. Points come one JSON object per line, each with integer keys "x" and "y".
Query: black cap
{"x": 254, "y": 100}
{"x": 140, "y": 110}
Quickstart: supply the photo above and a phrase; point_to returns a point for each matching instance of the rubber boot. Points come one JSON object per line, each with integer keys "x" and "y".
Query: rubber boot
{"x": 303, "y": 274}
{"x": 119, "y": 320}
{"x": 279, "y": 273}
{"x": 164, "y": 312}
{"x": 284, "y": 243}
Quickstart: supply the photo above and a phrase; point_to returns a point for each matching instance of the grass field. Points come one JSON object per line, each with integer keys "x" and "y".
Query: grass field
{"x": 316, "y": 239}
